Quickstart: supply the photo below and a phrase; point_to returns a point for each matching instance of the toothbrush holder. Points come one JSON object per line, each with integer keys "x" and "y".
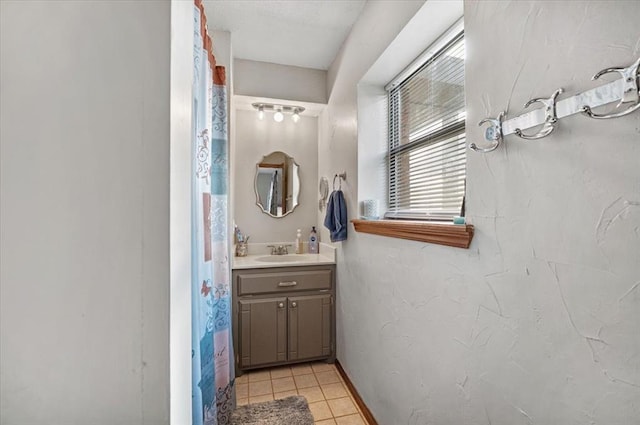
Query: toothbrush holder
{"x": 242, "y": 249}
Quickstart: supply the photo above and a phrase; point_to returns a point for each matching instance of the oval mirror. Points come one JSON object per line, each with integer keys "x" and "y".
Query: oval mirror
{"x": 277, "y": 184}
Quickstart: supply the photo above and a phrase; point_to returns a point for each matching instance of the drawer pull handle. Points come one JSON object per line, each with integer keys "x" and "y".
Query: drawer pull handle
{"x": 292, "y": 283}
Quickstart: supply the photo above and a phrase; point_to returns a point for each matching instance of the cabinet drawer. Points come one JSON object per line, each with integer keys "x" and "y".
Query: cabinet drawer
{"x": 261, "y": 283}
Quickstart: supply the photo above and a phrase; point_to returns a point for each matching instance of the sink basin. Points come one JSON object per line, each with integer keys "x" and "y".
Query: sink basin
{"x": 289, "y": 258}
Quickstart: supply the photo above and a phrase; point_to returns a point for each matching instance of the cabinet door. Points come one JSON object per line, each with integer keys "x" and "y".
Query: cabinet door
{"x": 309, "y": 326}
{"x": 263, "y": 326}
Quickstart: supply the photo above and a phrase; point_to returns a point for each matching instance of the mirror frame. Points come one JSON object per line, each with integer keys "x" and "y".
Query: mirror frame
{"x": 263, "y": 164}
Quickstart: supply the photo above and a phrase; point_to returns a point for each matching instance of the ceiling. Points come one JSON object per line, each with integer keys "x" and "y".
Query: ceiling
{"x": 304, "y": 33}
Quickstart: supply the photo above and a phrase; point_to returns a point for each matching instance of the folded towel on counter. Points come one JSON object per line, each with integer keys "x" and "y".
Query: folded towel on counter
{"x": 336, "y": 218}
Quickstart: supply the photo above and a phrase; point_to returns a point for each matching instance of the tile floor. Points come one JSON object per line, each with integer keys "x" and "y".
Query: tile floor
{"x": 330, "y": 401}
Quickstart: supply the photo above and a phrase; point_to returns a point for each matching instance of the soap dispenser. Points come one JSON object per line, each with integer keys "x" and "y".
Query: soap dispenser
{"x": 313, "y": 241}
{"x": 299, "y": 244}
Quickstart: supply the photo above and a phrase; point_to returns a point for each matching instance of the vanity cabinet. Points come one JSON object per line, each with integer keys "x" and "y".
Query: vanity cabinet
{"x": 283, "y": 315}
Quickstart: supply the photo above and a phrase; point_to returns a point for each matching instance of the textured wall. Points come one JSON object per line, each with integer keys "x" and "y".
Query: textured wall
{"x": 84, "y": 313}
{"x": 255, "y": 139}
{"x": 539, "y": 321}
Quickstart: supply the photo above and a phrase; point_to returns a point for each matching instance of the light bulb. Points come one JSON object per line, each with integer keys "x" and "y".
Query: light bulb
{"x": 260, "y": 112}
{"x": 295, "y": 117}
{"x": 278, "y": 116}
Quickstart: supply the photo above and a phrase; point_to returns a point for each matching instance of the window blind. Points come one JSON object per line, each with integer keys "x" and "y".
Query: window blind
{"x": 427, "y": 145}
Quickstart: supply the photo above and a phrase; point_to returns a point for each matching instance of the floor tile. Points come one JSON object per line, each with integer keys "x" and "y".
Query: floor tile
{"x": 304, "y": 381}
{"x": 320, "y": 383}
{"x": 336, "y": 390}
{"x": 320, "y": 410}
{"x": 260, "y": 388}
{"x": 301, "y": 369}
{"x": 329, "y": 377}
{"x": 242, "y": 390}
{"x": 280, "y": 372}
{"x": 342, "y": 406}
{"x": 283, "y": 384}
{"x": 350, "y": 420}
{"x": 261, "y": 398}
{"x": 262, "y": 375}
{"x": 284, "y": 394}
{"x": 322, "y": 367}
{"x": 312, "y": 394}
{"x": 326, "y": 422}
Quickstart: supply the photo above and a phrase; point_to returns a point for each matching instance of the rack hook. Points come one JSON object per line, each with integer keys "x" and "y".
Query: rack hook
{"x": 493, "y": 133}
{"x": 551, "y": 116}
{"x": 630, "y": 91}
{"x": 341, "y": 176}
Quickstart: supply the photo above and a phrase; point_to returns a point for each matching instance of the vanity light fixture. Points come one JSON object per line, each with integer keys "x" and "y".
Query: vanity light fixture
{"x": 278, "y": 116}
{"x": 278, "y": 111}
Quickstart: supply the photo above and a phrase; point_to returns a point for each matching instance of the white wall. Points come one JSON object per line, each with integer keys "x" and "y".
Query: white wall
{"x": 538, "y": 321}
{"x": 256, "y": 138}
{"x": 337, "y": 146}
{"x": 263, "y": 79}
{"x": 84, "y": 133}
{"x": 180, "y": 209}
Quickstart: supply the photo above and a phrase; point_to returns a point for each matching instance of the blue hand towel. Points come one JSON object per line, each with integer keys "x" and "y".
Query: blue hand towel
{"x": 336, "y": 218}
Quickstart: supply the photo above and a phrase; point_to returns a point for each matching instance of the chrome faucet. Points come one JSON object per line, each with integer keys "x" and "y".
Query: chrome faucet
{"x": 279, "y": 250}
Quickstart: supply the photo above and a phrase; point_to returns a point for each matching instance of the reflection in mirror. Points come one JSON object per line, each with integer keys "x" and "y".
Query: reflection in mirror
{"x": 277, "y": 184}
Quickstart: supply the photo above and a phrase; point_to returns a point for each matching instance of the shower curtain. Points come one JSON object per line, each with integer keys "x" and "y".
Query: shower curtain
{"x": 213, "y": 394}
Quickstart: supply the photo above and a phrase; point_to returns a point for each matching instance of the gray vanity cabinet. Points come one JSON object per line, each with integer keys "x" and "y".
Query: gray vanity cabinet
{"x": 263, "y": 329}
{"x": 283, "y": 315}
{"x": 309, "y": 327}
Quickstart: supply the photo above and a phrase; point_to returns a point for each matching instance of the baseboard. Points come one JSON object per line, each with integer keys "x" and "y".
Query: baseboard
{"x": 356, "y": 397}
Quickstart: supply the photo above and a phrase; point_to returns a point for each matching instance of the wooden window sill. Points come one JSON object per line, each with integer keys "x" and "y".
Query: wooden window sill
{"x": 456, "y": 235}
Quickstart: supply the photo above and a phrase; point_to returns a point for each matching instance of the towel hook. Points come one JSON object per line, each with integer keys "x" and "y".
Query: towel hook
{"x": 493, "y": 133}
{"x": 551, "y": 116}
{"x": 341, "y": 176}
{"x": 630, "y": 91}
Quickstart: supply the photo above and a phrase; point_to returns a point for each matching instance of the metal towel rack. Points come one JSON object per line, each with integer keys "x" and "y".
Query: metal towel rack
{"x": 342, "y": 176}
{"x": 625, "y": 91}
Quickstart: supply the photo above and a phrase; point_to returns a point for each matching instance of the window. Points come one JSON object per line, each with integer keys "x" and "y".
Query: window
{"x": 427, "y": 157}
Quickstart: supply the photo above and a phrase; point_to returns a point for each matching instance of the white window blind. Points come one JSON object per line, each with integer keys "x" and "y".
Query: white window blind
{"x": 427, "y": 156}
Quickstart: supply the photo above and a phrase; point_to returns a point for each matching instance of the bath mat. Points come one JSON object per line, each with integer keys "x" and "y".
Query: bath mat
{"x": 292, "y": 410}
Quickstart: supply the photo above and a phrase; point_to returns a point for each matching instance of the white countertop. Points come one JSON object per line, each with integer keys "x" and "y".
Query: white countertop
{"x": 258, "y": 251}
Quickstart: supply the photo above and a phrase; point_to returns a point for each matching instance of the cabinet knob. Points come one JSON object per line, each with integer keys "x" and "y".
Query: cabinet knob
{"x": 294, "y": 304}
{"x": 280, "y": 305}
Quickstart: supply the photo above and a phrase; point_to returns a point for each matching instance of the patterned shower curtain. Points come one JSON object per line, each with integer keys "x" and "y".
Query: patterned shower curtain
{"x": 212, "y": 348}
